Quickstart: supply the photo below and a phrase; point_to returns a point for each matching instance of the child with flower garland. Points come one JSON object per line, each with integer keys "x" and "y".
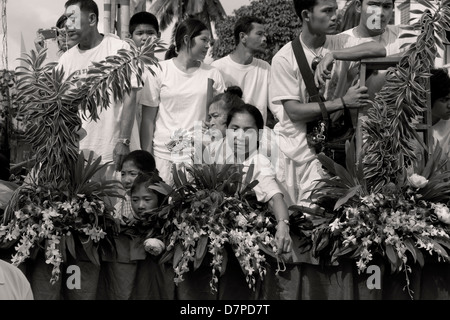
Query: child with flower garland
{"x": 152, "y": 281}
{"x": 119, "y": 269}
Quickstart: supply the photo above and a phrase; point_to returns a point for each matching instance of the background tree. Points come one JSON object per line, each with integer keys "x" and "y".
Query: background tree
{"x": 168, "y": 11}
{"x": 279, "y": 17}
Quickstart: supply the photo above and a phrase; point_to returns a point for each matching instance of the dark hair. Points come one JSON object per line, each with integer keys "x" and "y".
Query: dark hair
{"x": 88, "y": 6}
{"x": 245, "y": 25}
{"x": 300, "y": 5}
{"x": 171, "y": 52}
{"x": 148, "y": 180}
{"x": 61, "y": 23}
{"x": 192, "y": 28}
{"x": 439, "y": 84}
{"x": 251, "y": 110}
{"x": 232, "y": 97}
{"x": 143, "y": 160}
{"x": 143, "y": 17}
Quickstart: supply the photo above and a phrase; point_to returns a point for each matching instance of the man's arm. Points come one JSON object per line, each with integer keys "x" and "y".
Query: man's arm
{"x": 365, "y": 50}
{"x": 356, "y": 97}
{"x": 126, "y": 126}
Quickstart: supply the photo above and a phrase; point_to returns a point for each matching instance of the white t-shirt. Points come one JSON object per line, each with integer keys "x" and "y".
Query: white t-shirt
{"x": 287, "y": 84}
{"x": 345, "y": 73}
{"x": 222, "y": 152}
{"x": 181, "y": 98}
{"x": 13, "y": 283}
{"x": 441, "y": 134}
{"x": 102, "y": 135}
{"x": 253, "y": 79}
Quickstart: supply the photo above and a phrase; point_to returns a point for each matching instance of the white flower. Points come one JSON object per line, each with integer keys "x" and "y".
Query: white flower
{"x": 417, "y": 181}
{"x": 154, "y": 246}
{"x": 442, "y": 212}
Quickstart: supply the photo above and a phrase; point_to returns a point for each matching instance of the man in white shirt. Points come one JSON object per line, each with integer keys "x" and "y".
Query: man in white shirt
{"x": 113, "y": 134}
{"x": 291, "y": 104}
{"x": 241, "y": 68}
{"x": 373, "y": 26}
{"x": 13, "y": 283}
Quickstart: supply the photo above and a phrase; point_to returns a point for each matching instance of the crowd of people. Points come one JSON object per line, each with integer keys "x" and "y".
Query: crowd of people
{"x": 132, "y": 135}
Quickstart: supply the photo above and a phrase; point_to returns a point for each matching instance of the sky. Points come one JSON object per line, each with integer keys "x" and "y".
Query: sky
{"x": 25, "y": 17}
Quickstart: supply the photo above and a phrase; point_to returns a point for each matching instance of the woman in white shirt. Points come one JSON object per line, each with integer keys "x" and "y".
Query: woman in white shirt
{"x": 176, "y": 97}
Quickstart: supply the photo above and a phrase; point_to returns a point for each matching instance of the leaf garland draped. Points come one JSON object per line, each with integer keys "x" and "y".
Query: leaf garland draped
{"x": 52, "y": 106}
{"x": 390, "y": 130}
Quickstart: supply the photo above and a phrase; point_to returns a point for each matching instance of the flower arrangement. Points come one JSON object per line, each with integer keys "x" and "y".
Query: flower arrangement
{"x": 403, "y": 222}
{"x": 387, "y": 201}
{"x": 39, "y": 216}
{"x": 212, "y": 207}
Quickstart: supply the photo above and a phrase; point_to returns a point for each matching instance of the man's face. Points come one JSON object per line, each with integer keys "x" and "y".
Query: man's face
{"x": 256, "y": 39}
{"x": 375, "y": 14}
{"x": 322, "y": 18}
{"x": 441, "y": 108}
{"x": 77, "y": 24}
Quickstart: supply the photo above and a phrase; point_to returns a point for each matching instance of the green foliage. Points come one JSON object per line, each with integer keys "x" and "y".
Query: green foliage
{"x": 50, "y": 103}
{"x": 400, "y": 105}
{"x": 280, "y": 20}
{"x": 213, "y": 211}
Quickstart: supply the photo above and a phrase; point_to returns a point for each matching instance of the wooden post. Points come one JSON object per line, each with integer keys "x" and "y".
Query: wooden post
{"x": 124, "y": 18}
{"x": 113, "y": 26}
{"x": 107, "y": 16}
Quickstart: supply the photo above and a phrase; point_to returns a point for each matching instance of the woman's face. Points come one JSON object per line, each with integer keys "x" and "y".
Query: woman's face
{"x": 217, "y": 117}
{"x": 245, "y": 134}
{"x": 143, "y": 199}
{"x": 128, "y": 173}
{"x": 200, "y": 45}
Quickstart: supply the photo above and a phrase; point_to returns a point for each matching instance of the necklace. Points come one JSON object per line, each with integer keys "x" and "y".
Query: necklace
{"x": 317, "y": 56}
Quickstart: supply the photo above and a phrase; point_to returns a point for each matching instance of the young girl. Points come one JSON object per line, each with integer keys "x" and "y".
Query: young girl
{"x": 119, "y": 268}
{"x": 246, "y": 123}
{"x": 136, "y": 162}
{"x": 177, "y": 96}
{"x": 152, "y": 280}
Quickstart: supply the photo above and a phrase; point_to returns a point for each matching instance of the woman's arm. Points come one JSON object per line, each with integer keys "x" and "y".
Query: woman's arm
{"x": 280, "y": 211}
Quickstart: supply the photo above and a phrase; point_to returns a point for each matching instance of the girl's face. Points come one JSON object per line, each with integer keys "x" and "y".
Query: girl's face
{"x": 128, "y": 173}
{"x": 200, "y": 45}
{"x": 245, "y": 134}
{"x": 143, "y": 199}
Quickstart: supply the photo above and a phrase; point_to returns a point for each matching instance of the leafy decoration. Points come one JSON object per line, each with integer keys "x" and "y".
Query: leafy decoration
{"x": 63, "y": 204}
{"x": 390, "y": 203}
{"x": 212, "y": 208}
